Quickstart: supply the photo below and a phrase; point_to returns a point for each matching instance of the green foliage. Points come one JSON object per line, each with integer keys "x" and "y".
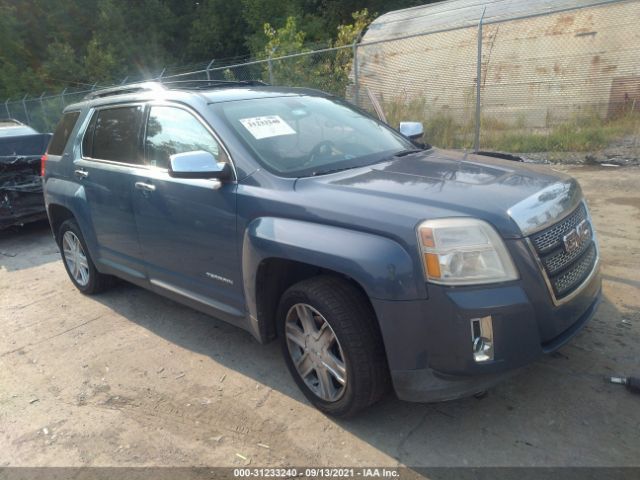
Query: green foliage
{"x": 347, "y": 35}
{"x": 49, "y": 45}
{"x": 218, "y": 31}
{"x": 285, "y": 40}
{"x": 328, "y": 71}
{"x": 100, "y": 62}
{"x": 16, "y": 74}
{"x": 584, "y": 133}
{"x": 258, "y": 13}
{"x": 441, "y": 127}
{"x": 61, "y": 59}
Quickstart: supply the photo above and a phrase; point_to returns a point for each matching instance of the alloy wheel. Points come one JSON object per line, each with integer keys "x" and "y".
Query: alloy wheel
{"x": 75, "y": 258}
{"x": 316, "y": 352}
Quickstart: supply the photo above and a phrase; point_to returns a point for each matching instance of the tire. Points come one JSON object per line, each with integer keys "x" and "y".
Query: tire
{"x": 90, "y": 281}
{"x": 357, "y": 346}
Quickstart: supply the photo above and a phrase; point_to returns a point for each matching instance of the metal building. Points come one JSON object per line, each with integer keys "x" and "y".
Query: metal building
{"x": 541, "y": 62}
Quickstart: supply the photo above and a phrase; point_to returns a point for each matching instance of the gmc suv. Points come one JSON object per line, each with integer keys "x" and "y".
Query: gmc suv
{"x": 292, "y": 214}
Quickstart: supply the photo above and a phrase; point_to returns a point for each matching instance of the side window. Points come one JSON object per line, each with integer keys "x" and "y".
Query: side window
{"x": 173, "y": 130}
{"x": 116, "y": 133}
{"x": 62, "y": 133}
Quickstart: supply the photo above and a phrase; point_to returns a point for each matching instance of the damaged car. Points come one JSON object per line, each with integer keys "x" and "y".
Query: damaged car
{"x": 21, "y": 151}
{"x": 375, "y": 262}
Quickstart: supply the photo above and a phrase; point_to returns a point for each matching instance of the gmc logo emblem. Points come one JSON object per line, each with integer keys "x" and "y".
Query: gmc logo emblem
{"x": 576, "y": 237}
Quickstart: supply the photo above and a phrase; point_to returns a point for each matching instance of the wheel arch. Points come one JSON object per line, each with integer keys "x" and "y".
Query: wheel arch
{"x": 274, "y": 276}
{"x": 58, "y": 214}
{"x": 277, "y": 253}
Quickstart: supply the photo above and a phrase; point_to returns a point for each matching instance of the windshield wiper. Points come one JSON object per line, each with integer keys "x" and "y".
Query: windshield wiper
{"x": 401, "y": 153}
{"x": 408, "y": 151}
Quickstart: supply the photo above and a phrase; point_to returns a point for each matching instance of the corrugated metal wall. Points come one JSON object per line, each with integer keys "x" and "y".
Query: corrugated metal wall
{"x": 536, "y": 72}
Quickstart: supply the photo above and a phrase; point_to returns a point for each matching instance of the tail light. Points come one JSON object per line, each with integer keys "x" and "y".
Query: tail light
{"x": 43, "y": 164}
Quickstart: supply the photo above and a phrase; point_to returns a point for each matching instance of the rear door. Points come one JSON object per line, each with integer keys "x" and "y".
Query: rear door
{"x": 111, "y": 156}
{"x": 187, "y": 227}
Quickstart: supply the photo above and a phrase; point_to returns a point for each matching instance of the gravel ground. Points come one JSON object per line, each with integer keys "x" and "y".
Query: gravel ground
{"x": 622, "y": 152}
{"x": 129, "y": 378}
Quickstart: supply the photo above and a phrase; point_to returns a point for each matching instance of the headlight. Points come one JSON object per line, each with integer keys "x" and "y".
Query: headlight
{"x": 463, "y": 251}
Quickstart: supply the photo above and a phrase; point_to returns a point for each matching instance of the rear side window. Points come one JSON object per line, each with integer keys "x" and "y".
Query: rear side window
{"x": 62, "y": 133}
{"x": 115, "y": 135}
{"x": 172, "y": 130}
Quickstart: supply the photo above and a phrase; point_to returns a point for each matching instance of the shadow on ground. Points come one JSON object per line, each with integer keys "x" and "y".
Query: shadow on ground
{"x": 27, "y": 246}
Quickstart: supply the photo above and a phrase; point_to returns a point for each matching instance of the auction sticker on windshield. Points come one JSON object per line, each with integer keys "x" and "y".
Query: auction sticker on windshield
{"x": 267, "y": 126}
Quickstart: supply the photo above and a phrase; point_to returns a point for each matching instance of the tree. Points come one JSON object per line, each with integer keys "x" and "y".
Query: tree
{"x": 257, "y": 13}
{"x": 45, "y": 45}
{"x": 100, "y": 63}
{"x": 218, "y": 31}
{"x": 327, "y": 71}
{"x": 347, "y": 35}
{"x": 16, "y": 73}
{"x": 61, "y": 63}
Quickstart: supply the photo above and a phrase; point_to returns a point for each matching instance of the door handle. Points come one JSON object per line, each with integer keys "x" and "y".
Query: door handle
{"x": 145, "y": 187}
{"x": 81, "y": 173}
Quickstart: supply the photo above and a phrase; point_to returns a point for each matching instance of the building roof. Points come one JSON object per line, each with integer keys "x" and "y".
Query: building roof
{"x": 452, "y": 14}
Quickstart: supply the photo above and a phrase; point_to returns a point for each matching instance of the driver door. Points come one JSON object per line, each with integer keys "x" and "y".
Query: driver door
{"x": 187, "y": 227}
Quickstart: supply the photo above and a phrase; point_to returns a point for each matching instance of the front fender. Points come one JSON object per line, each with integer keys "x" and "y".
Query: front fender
{"x": 380, "y": 265}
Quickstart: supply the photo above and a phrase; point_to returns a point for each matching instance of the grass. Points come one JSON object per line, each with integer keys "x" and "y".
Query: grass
{"x": 580, "y": 134}
{"x": 440, "y": 127}
{"x": 584, "y": 133}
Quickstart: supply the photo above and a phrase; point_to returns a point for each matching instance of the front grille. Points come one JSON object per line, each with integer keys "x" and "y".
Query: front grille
{"x": 558, "y": 259}
{"x": 551, "y": 238}
{"x": 566, "y": 271}
{"x": 574, "y": 276}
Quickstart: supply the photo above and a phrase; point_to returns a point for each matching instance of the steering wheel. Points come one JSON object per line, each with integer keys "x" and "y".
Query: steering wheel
{"x": 322, "y": 149}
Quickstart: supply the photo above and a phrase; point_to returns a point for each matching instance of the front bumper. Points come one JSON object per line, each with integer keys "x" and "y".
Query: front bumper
{"x": 429, "y": 342}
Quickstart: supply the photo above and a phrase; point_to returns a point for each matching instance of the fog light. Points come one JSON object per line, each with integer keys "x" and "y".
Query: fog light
{"x": 482, "y": 339}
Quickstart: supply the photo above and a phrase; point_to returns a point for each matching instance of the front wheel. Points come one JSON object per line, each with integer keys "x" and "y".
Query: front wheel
{"x": 332, "y": 345}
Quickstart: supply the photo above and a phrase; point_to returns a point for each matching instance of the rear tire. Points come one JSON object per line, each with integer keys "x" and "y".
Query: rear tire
{"x": 77, "y": 261}
{"x": 341, "y": 366}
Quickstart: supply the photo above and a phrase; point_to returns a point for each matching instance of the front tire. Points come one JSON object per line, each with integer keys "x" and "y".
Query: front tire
{"x": 77, "y": 261}
{"x": 332, "y": 345}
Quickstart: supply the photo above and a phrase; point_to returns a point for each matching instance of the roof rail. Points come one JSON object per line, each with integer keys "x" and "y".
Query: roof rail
{"x": 207, "y": 84}
{"x": 172, "y": 85}
{"x": 124, "y": 89}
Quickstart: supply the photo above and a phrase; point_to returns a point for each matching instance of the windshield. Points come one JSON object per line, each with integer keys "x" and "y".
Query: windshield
{"x": 303, "y": 135}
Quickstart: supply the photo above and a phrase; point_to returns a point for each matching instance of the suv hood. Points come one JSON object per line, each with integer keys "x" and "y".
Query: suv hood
{"x": 516, "y": 198}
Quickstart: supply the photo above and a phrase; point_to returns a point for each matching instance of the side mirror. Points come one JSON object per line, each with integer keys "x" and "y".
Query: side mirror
{"x": 412, "y": 130}
{"x": 198, "y": 164}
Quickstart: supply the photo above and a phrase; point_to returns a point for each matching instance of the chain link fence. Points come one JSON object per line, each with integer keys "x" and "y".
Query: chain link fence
{"x": 551, "y": 81}
{"x": 563, "y": 80}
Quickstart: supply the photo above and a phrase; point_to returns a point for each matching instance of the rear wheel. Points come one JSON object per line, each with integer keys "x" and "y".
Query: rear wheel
{"x": 77, "y": 261}
{"x": 332, "y": 345}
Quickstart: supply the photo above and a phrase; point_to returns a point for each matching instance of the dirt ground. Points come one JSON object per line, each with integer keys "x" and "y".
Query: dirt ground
{"x": 129, "y": 378}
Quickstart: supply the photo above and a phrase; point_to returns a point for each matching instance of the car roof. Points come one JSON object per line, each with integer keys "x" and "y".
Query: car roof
{"x": 251, "y": 93}
{"x": 211, "y": 94}
{"x": 10, "y": 128}
{"x": 9, "y": 122}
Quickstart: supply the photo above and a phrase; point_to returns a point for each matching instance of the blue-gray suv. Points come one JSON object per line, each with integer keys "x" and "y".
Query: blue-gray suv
{"x": 377, "y": 261}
